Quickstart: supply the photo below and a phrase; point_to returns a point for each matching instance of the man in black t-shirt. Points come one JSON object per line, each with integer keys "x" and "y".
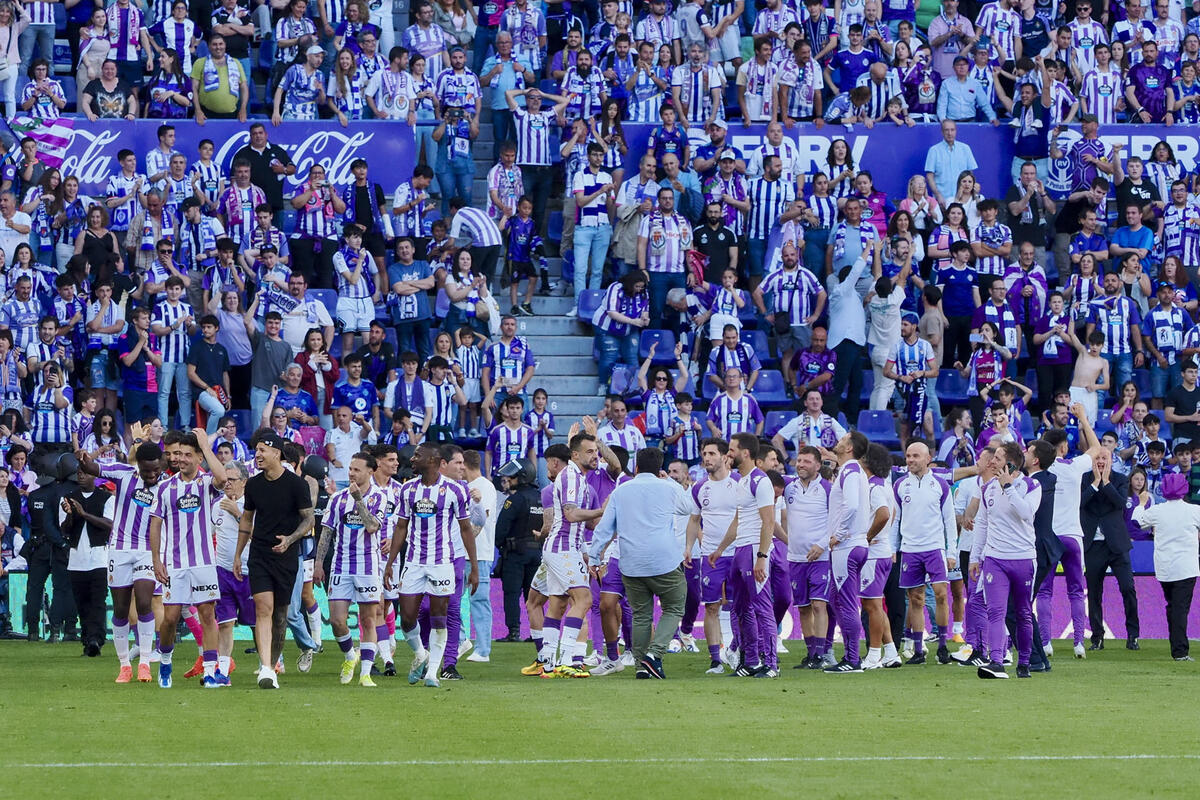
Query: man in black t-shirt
{"x": 1182, "y": 406}
{"x": 1133, "y": 189}
{"x": 279, "y": 512}
{"x": 716, "y": 241}
{"x": 378, "y": 355}
{"x": 269, "y": 164}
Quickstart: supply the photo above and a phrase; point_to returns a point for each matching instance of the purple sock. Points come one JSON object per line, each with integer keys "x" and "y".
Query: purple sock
{"x": 610, "y": 650}
{"x": 209, "y": 656}
{"x": 919, "y": 641}
{"x": 573, "y": 624}
{"x": 810, "y": 645}
{"x": 941, "y": 637}
{"x": 437, "y": 622}
{"x": 313, "y": 609}
{"x": 368, "y": 652}
{"x": 346, "y": 644}
{"x": 714, "y": 652}
{"x": 118, "y": 622}
{"x": 627, "y": 624}
{"x": 381, "y": 633}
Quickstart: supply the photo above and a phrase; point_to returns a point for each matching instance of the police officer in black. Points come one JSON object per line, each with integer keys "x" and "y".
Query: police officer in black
{"x": 48, "y": 552}
{"x": 518, "y": 529}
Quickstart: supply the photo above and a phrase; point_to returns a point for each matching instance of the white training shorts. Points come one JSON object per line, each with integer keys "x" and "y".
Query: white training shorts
{"x": 191, "y": 587}
{"x": 127, "y": 566}
{"x": 564, "y": 571}
{"x": 355, "y": 588}
{"x": 436, "y": 580}
{"x": 355, "y": 314}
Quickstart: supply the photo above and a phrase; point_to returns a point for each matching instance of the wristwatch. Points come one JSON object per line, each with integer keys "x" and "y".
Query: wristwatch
{"x": 763, "y": 555}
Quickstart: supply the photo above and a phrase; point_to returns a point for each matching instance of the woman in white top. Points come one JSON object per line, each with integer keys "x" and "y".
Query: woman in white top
{"x": 13, "y": 20}
{"x": 1176, "y": 525}
{"x": 93, "y": 50}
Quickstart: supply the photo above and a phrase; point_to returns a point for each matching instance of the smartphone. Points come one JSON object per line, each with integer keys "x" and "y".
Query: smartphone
{"x": 975, "y": 338}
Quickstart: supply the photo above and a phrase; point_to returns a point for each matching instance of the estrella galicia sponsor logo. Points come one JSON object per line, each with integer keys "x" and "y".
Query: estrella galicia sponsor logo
{"x": 189, "y": 504}
{"x": 143, "y": 497}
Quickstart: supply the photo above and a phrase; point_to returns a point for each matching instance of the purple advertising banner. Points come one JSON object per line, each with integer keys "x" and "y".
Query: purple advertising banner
{"x": 893, "y": 155}
{"x": 387, "y": 146}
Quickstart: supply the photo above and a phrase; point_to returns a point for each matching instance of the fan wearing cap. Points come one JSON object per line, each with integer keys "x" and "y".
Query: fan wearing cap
{"x": 1164, "y": 328}
{"x": 302, "y": 89}
{"x": 1176, "y": 526}
{"x": 961, "y": 97}
{"x": 913, "y": 363}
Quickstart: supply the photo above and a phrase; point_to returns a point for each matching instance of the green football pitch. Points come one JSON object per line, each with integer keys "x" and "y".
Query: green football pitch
{"x": 1120, "y": 724}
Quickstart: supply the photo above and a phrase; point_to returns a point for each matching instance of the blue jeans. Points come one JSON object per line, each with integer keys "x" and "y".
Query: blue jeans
{"x": 481, "y": 607}
{"x": 295, "y": 619}
{"x": 174, "y": 372}
{"x": 258, "y": 401}
{"x": 43, "y": 36}
{"x": 485, "y": 37}
{"x": 215, "y": 411}
{"x": 660, "y": 284}
{"x": 503, "y": 130}
{"x": 456, "y": 184}
{"x": 1162, "y": 378}
{"x": 423, "y": 135}
{"x": 591, "y": 248}
{"x": 1120, "y": 370}
{"x": 613, "y": 349}
{"x": 413, "y": 335}
{"x": 757, "y": 254}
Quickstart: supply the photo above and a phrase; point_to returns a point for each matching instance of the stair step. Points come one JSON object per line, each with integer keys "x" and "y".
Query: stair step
{"x": 566, "y": 365}
{"x": 563, "y": 386}
{"x": 553, "y": 305}
{"x": 578, "y": 405}
{"x": 561, "y": 346}
{"x": 551, "y": 326}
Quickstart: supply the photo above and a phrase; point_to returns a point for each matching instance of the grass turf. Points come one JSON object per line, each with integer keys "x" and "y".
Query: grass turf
{"x": 894, "y": 733}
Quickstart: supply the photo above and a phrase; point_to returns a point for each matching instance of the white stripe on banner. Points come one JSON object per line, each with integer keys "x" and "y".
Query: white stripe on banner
{"x": 524, "y": 762}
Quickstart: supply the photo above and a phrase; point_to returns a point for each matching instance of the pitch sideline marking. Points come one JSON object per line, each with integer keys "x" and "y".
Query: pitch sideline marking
{"x": 519, "y": 762}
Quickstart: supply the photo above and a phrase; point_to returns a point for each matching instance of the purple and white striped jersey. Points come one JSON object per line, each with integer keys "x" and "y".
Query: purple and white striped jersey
{"x": 807, "y": 517}
{"x": 1114, "y": 316}
{"x": 755, "y": 492}
{"x": 131, "y": 523}
{"x": 185, "y": 508}
{"x": 508, "y": 444}
{"x": 1181, "y": 232}
{"x": 1003, "y": 24}
{"x": 570, "y": 489}
{"x": 432, "y": 513}
{"x": 687, "y": 446}
{"x": 734, "y": 416}
{"x": 21, "y": 317}
{"x": 174, "y": 345}
{"x": 533, "y": 136}
{"x": 1100, "y": 93}
{"x": 541, "y": 440}
{"x": 363, "y": 287}
{"x": 993, "y": 236}
{"x": 317, "y": 219}
{"x": 668, "y": 238}
{"x": 40, "y": 13}
{"x": 795, "y": 292}
{"x": 1084, "y": 38}
{"x": 629, "y": 437}
{"x": 440, "y": 397}
{"x": 716, "y": 501}
{"x": 356, "y": 551}
{"x": 48, "y": 424}
{"x": 430, "y": 42}
{"x": 849, "y": 507}
{"x": 124, "y": 33}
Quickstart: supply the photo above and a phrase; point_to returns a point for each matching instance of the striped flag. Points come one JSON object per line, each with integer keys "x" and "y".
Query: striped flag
{"x": 53, "y": 136}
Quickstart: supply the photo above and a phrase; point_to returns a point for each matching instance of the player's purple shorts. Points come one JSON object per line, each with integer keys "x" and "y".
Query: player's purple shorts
{"x": 712, "y": 579}
{"x": 916, "y": 567}
{"x": 810, "y": 581}
{"x": 235, "y": 603}
{"x": 874, "y": 577}
{"x": 611, "y": 582}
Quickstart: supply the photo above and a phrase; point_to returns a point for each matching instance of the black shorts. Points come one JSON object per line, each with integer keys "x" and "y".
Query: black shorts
{"x": 520, "y": 269}
{"x": 273, "y": 573}
{"x": 375, "y": 244}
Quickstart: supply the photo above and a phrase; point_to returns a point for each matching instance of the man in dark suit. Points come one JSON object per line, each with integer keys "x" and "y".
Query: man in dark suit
{"x": 1039, "y": 455}
{"x": 1106, "y": 544}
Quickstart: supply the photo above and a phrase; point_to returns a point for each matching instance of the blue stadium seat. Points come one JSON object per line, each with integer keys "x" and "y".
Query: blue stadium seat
{"x": 758, "y": 341}
{"x": 1141, "y": 379}
{"x": 389, "y": 336}
{"x": 878, "y": 426}
{"x": 768, "y": 389}
{"x": 841, "y": 418}
{"x": 623, "y": 379}
{"x": 60, "y": 17}
{"x": 327, "y": 296}
{"x": 951, "y": 388}
{"x": 289, "y": 221}
{"x": 554, "y": 227}
{"x": 1027, "y": 429}
{"x": 664, "y": 353}
{"x": 868, "y": 383}
{"x": 748, "y": 315}
{"x": 776, "y": 420}
{"x": 1104, "y": 424}
{"x": 708, "y": 389}
{"x": 70, "y": 90}
{"x": 442, "y": 304}
{"x": 201, "y": 51}
{"x": 548, "y": 86}
{"x": 245, "y": 427}
{"x": 690, "y": 388}
{"x": 589, "y": 301}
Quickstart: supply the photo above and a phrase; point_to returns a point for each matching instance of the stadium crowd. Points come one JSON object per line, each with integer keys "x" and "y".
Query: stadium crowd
{"x": 1042, "y": 326}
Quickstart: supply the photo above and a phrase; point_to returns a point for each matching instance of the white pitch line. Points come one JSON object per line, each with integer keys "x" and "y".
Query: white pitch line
{"x": 521, "y": 762}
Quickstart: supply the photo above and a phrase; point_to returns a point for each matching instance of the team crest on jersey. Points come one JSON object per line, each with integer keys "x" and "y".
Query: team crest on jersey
{"x": 189, "y": 504}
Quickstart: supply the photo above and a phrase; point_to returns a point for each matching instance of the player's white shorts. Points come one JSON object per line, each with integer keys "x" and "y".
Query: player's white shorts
{"x": 190, "y": 587}
{"x": 355, "y": 588}
{"x": 307, "y": 567}
{"x": 394, "y": 592}
{"x": 436, "y": 580}
{"x": 355, "y": 313}
{"x": 538, "y": 584}
{"x": 127, "y": 566}
{"x": 728, "y": 46}
{"x": 564, "y": 571}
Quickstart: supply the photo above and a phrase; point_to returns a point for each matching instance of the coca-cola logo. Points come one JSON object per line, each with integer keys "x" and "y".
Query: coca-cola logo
{"x": 92, "y": 154}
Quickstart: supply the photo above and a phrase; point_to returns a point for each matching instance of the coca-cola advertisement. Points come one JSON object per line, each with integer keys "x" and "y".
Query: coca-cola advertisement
{"x": 91, "y": 154}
